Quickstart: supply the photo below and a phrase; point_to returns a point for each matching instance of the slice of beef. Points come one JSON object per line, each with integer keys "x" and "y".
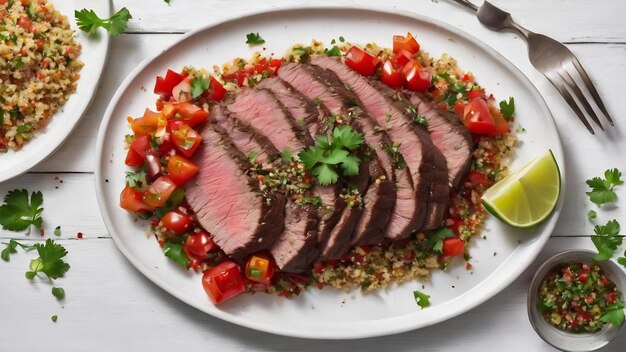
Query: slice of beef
{"x": 296, "y": 248}
{"x": 228, "y": 203}
{"x": 377, "y": 189}
{"x": 424, "y": 161}
{"x": 448, "y": 135}
{"x": 303, "y": 109}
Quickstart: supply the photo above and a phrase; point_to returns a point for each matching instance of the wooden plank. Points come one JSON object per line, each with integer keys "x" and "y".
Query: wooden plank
{"x": 110, "y": 306}
{"x": 574, "y": 20}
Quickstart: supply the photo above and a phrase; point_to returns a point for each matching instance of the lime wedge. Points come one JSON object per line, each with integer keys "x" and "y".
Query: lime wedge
{"x": 527, "y": 196}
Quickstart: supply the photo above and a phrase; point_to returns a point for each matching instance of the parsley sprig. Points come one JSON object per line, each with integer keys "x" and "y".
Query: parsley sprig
{"x": 254, "y": 39}
{"x": 422, "y": 299}
{"x": 332, "y": 154}
{"x": 18, "y": 212}
{"x": 602, "y": 189}
{"x": 507, "y": 108}
{"x": 88, "y": 21}
{"x": 606, "y": 240}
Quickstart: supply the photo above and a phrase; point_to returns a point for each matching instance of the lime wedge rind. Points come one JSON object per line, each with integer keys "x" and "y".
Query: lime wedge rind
{"x": 527, "y": 196}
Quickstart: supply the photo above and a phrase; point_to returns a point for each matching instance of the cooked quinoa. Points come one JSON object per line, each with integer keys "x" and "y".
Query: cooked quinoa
{"x": 39, "y": 68}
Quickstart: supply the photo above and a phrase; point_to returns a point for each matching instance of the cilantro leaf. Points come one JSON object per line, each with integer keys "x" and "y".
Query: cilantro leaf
{"x": 422, "y": 299}
{"x": 88, "y": 21}
{"x": 622, "y": 260}
{"x": 50, "y": 261}
{"x": 592, "y": 214}
{"x": 58, "y": 292}
{"x": 174, "y": 251}
{"x": 54, "y": 318}
{"x": 332, "y": 154}
{"x": 614, "y": 313}
{"x": 606, "y": 240}
{"x": 136, "y": 179}
{"x": 17, "y": 213}
{"x": 286, "y": 155}
{"x": 199, "y": 85}
{"x": 602, "y": 189}
{"x": 334, "y": 51}
{"x": 10, "y": 249}
{"x": 507, "y": 109}
{"x": 254, "y": 39}
{"x": 436, "y": 239}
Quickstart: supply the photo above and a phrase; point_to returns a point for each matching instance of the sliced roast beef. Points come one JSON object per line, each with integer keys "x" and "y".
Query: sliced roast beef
{"x": 448, "y": 135}
{"x": 424, "y": 161}
{"x": 296, "y": 248}
{"x": 228, "y": 203}
{"x": 378, "y": 193}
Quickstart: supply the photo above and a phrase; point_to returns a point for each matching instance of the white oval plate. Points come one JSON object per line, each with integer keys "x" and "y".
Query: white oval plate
{"x": 330, "y": 313}
{"x": 94, "y": 55}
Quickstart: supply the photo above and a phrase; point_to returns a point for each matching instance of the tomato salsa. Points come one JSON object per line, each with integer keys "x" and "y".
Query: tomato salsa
{"x": 575, "y": 297}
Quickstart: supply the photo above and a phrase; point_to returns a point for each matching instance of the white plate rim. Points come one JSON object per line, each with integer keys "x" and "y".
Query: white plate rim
{"x": 355, "y": 333}
{"x": 27, "y": 164}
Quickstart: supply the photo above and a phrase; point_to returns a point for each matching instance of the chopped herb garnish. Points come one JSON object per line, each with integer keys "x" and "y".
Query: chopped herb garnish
{"x": 602, "y": 188}
{"x": 334, "y": 51}
{"x": 435, "y": 240}
{"x": 287, "y": 155}
{"x": 254, "y": 39}
{"x": 252, "y": 155}
{"x": 57, "y": 231}
{"x": 174, "y": 251}
{"x": 88, "y": 21}
{"x": 172, "y": 202}
{"x": 394, "y": 154}
{"x": 136, "y": 179}
{"x": 54, "y": 318}
{"x": 606, "y": 240}
{"x": 58, "y": 292}
{"x": 199, "y": 85}
{"x": 422, "y": 299}
{"x": 342, "y": 39}
{"x": 507, "y": 109}
{"x": 27, "y": 127}
{"x": 614, "y": 313}
{"x": 18, "y": 213}
{"x": 592, "y": 214}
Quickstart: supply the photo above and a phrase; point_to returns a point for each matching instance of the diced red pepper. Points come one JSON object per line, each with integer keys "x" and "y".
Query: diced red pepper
{"x": 407, "y": 43}
{"x": 223, "y": 282}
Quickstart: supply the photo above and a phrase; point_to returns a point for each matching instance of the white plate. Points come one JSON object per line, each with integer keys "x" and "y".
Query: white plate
{"x": 94, "y": 55}
{"x": 330, "y": 313}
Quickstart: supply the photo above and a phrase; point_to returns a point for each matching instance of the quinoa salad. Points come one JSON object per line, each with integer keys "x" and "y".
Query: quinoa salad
{"x": 39, "y": 68}
{"x": 165, "y": 152}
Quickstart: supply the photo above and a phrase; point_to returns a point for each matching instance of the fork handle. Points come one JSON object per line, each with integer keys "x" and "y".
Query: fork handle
{"x": 466, "y": 3}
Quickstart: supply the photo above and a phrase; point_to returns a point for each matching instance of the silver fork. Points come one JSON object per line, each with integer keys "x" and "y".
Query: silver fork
{"x": 551, "y": 58}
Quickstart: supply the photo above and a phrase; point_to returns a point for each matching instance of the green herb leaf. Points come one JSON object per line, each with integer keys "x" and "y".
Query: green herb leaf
{"x": 602, "y": 189}
{"x": 171, "y": 203}
{"x": 286, "y": 155}
{"x": 50, "y": 262}
{"x": 21, "y": 129}
{"x": 199, "y": 85}
{"x": 136, "y": 179}
{"x": 606, "y": 240}
{"x": 622, "y": 260}
{"x": 334, "y": 51}
{"x": 614, "y": 313}
{"x": 591, "y": 214}
{"x": 11, "y": 248}
{"x": 422, "y": 299}
{"x": 54, "y": 318}
{"x": 252, "y": 155}
{"x": 350, "y": 165}
{"x": 57, "y": 231}
{"x": 507, "y": 109}
{"x": 254, "y": 39}
{"x": 436, "y": 239}
{"x": 325, "y": 174}
{"x": 175, "y": 252}
{"x": 17, "y": 213}
{"x": 58, "y": 292}
{"x": 88, "y": 21}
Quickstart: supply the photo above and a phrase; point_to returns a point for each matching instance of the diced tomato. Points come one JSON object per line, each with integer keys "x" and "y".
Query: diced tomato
{"x": 454, "y": 225}
{"x": 185, "y": 138}
{"x": 468, "y": 77}
{"x": 191, "y": 114}
{"x": 25, "y": 22}
{"x": 478, "y": 119}
{"x": 132, "y": 201}
{"x": 611, "y": 297}
{"x": 400, "y": 59}
{"x": 216, "y": 90}
{"x": 407, "y": 43}
{"x": 473, "y": 94}
{"x": 238, "y": 77}
{"x": 177, "y": 223}
{"x": 149, "y": 123}
{"x": 165, "y": 147}
{"x": 137, "y": 152}
{"x": 223, "y": 282}
{"x": 182, "y": 91}
{"x": 582, "y": 277}
{"x": 361, "y": 61}
{"x": 501, "y": 125}
{"x": 181, "y": 169}
{"x": 275, "y": 64}
{"x": 390, "y": 76}
{"x": 459, "y": 107}
{"x": 165, "y": 85}
{"x": 133, "y": 158}
{"x": 478, "y": 178}
{"x": 453, "y": 247}
{"x": 199, "y": 244}
{"x": 260, "y": 268}
{"x": 159, "y": 191}
{"x": 416, "y": 77}
{"x": 169, "y": 110}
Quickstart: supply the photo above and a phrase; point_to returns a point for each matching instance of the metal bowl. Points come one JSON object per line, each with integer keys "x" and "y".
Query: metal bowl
{"x": 565, "y": 341}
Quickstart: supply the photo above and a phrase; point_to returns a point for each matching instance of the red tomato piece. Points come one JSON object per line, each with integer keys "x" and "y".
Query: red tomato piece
{"x": 182, "y": 91}
{"x": 149, "y": 123}
{"x": 361, "y": 61}
{"x": 400, "y": 59}
{"x": 477, "y": 118}
{"x": 181, "y": 169}
{"x": 185, "y": 138}
{"x": 459, "y": 107}
{"x": 216, "y": 90}
{"x": 169, "y": 110}
{"x": 199, "y": 244}
{"x": 133, "y": 158}
{"x": 390, "y": 76}
{"x": 159, "y": 191}
{"x": 453, "y": 247}
{"x": 478, "y": 178}
{"x": 473, "y": 94}
{"x": 25, "y": 22}
{"x": 137, "y": 152}
{"x": 177, "y": 223}
{"x": 416, "y": 77}
{"x": 223, "y": 282}
{"x": 132, "y": 200}
{"x": 407, "y": 43}
{"x": 260, "y": 268}
{"x": 191, "y": 114}
{"x": 501, "y": 125}
{"x": 275, "y": 64}
{"x": 165, "y": 85}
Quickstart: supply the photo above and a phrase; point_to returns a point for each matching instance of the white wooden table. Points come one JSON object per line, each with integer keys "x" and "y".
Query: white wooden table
{"x": 110, "y": 306}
